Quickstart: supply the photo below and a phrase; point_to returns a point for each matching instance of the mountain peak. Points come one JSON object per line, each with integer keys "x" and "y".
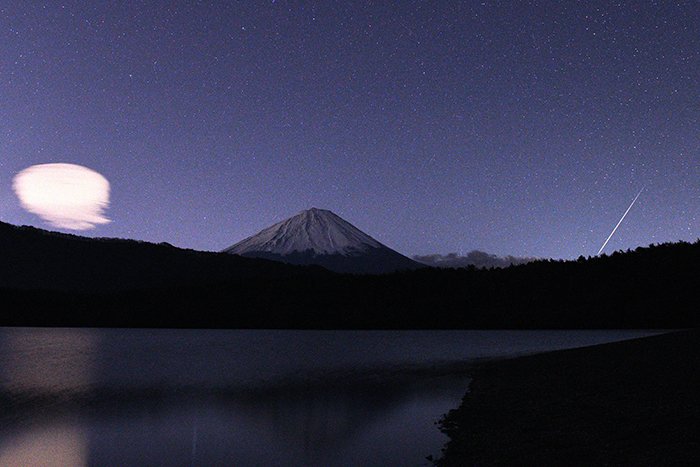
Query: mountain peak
{"x": 317, "y": 230}
{"x": 313, "y": 236}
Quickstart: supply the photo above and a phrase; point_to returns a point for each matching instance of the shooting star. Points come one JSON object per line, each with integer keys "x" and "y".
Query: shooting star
{"x": 620, "y": 222}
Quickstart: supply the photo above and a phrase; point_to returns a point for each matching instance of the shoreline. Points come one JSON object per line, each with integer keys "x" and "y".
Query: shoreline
{"x": 633, "y": 402}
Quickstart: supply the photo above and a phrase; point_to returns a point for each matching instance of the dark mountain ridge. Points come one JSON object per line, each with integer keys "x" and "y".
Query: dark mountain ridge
{"x": 49, "y": 279}
{"x": 32, "y": 258}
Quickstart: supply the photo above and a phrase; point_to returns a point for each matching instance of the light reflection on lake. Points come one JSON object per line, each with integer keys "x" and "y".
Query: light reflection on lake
{"x": 52, "y": 445}
{"x": 202, "y": 397}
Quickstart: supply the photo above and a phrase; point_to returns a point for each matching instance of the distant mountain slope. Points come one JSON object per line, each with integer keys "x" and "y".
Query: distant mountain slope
{"x": 32, "y": 258}
{"x": 318, "y": 236}
{"x": 476, "y": 258}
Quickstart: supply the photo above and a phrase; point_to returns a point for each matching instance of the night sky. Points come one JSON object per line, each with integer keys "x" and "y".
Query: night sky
{"x": 522, "y": 128}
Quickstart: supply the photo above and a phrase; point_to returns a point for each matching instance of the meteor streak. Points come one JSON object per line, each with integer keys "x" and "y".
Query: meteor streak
{"x": 620, "y": 222}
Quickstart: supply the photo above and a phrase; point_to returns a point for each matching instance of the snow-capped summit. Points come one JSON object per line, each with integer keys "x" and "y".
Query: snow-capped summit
{"x": 317, "y": 230}
{"x": 318, "y": 236}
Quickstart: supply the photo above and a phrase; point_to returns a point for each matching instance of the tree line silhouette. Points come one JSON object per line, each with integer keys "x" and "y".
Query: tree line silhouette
{"x": 49, "y": 279}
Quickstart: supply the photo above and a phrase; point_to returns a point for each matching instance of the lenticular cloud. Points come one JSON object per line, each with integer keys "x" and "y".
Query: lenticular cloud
{"x": 66, "y": 196}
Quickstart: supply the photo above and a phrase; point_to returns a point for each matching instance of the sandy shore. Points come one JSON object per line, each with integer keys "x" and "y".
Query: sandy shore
{"x": 635, "y": 402}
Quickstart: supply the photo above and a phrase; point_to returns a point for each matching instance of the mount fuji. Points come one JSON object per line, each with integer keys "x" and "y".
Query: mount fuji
{"x": 320, "y": 237}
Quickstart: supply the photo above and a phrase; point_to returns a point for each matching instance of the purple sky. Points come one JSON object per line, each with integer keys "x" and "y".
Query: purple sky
{"x": 521, "y": 128}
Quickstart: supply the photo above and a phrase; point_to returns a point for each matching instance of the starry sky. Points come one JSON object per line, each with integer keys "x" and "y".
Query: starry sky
{"x": 522, "y": 128}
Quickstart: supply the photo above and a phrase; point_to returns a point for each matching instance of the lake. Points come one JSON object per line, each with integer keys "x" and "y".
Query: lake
{"x": 249, "y": 397}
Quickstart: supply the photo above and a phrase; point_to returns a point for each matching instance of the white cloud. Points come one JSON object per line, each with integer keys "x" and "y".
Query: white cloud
{"x": 66, "y": 196}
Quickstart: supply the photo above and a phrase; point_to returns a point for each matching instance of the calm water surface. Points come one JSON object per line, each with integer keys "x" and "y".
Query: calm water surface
{"x": 201, "y": 397}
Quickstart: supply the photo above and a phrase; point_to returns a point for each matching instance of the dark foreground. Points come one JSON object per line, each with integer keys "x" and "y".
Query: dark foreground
{"x": 628, "y": 403}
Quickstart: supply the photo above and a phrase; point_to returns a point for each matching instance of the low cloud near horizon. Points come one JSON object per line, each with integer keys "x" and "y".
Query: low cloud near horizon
{"x": 66, "y": 196}
{"x": 476, "y": 258}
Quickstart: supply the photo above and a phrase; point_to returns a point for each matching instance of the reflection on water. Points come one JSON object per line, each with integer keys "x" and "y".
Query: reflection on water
{"x": 40, "y": 361}
{"x": 164, "y": 397}
{"x": 53, "y": 445}
{"x": 309, "y": 428}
